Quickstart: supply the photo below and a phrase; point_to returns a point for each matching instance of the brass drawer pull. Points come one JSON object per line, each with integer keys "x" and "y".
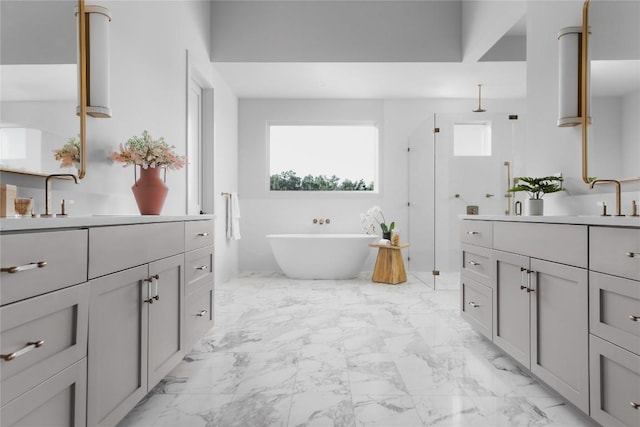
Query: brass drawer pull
{"x": 474, "y": 263}
{"x": 634, "y": 318}
{"x": 153, "y": 279}
{"x": 205, "y": 234}
{"x": 632, "y": 254}
{"x": 202, "y": 313}
{"x": 634, "y": 405}
{"x": 25, "y": 267}
{"x": 471, "y": 233}
{"x": 202, "y": 267}
{"x": 473, "y": 304}
{"x": 27, "y": 348}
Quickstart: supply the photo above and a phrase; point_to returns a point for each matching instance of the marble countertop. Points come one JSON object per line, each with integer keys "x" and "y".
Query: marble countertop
{"x": 23, "y": 224}
{"x": 613, "y": 221}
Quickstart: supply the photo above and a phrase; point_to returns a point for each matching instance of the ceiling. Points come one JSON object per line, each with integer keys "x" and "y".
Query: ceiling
{"x": 502, "y": 78}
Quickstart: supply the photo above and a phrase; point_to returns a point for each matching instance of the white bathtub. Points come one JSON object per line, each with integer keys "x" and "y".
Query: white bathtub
{"x": 321, "y": 256}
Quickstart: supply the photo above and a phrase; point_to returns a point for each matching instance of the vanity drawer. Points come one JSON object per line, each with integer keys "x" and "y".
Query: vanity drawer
{"x": 561, "y": 243}
{"x": 198, "y": 315}
{"x": 198, "y": 234}
{"x": 117, "y": 248}
{"x": 615, "y": 251}
{"x": 478, "y": 233}
{"x": 65, "y": 255}
{"x": 614, "y": 310}
{"x": 58, "y": 319}
{"x": 198, "y": 269}
{"x": 59, "y": 401}
{"x": 615, "y": 375}
{"x": 476, "y": 305}
{"x": 476, "y": 263}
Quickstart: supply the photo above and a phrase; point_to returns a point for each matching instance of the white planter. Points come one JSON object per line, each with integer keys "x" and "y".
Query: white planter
{"x": 535, "y": 207}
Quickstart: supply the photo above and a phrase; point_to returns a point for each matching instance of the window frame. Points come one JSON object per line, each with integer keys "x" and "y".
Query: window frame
{"x": 375, "y": 193}
{"x": 488, "y": 125}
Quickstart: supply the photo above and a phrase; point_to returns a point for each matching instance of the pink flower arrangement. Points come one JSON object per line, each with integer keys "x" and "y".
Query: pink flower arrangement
{"x": 69, "y": 154}
{"x": 148, "y": 153}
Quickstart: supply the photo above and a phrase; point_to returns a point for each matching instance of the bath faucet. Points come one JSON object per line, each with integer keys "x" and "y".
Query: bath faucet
{"x": 47, "y": 190}
{"x": 321, "y": 221}
{"x": 618, "y": 190}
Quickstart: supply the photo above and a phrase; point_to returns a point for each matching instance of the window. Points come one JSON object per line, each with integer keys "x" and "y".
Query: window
{"x": 472, "y": 139}
{"x": 331, "y": 157}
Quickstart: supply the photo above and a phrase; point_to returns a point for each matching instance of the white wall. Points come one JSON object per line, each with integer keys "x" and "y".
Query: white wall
{"x": 266, "y": 213}
{"x": 551, "y": 149}
{"x": 225, "y": 176}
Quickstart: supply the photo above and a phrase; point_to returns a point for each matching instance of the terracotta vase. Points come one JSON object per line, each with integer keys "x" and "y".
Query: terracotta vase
{"x": 150, "y": 191}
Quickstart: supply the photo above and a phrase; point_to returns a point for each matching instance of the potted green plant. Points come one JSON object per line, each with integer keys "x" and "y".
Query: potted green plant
{"x": 536, "y": 188}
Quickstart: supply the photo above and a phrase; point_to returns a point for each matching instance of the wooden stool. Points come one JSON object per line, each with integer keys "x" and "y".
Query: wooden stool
{"x": 389, "y": 265}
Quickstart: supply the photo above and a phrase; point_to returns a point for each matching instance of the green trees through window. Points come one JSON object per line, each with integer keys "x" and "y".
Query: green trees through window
{"x": 289, "y": 181}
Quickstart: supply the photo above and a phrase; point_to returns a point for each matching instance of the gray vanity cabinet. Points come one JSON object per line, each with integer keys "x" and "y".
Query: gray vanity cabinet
{"x": 566, "y": 305}
{"x": 614, "y": 320}
{"x": 198, "y": 294}
{"x": 512, "y": 316}
{"x": 93, "y": 317}
{"x": 541, "y": 307}
{"x": 477, "y": 282}
{"x": 58, "y": 401}
{"x": 136, "y": 317}
{"x": 560, "y": 329}
{"x": 198, "y": 280}
{"x": 43, "y": 323}
{"x": 166, "y": 325}
{"x": 118, "y": 345}
{"x": 542, "y": 322}
{"x": 134, "y": 338}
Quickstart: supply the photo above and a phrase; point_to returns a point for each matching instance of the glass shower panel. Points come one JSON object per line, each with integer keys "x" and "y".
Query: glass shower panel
{"x": 421, "y": 202}
{"x": 473, "y": 183}
{"x": 443, "y": 186}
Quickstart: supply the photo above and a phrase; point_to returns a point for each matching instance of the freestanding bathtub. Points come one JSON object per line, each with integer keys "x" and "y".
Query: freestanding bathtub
{"x": 321, "y": 256}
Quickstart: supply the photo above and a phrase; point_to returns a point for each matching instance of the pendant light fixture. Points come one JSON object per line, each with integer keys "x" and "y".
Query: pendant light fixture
{"x": 479, "y": 109}
{"x": 569, "y": 59}
{"x": 97, "y": 19}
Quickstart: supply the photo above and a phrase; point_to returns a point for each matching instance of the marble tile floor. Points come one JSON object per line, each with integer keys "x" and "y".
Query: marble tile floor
{"x": 345, "y": 353}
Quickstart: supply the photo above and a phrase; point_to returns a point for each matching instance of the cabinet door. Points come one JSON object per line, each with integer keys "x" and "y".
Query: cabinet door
{"x": 117, "y": 371}
{"x": 166, "y": 326}
{"x": 198, "y": 317}
{"x": 57, "y": 321}
{"x": 559, "y": 329}
{"x": 511, "y": 306}
{"x": 58, "y": 401}
{"x": 615, "y": 385}
{"x": 476, "y": 305}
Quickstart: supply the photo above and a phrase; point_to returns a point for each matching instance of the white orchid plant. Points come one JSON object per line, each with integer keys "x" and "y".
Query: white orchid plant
{"x": 374, "y": 217}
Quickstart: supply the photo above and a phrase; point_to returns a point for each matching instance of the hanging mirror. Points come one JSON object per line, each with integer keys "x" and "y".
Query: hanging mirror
{"x": 611, "y": 90}
{"x": 41, "y": 87}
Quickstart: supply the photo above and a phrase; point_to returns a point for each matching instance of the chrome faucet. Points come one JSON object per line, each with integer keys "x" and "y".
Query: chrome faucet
{"x": 618, "y": 190}
{"x": 47, "y": 190}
